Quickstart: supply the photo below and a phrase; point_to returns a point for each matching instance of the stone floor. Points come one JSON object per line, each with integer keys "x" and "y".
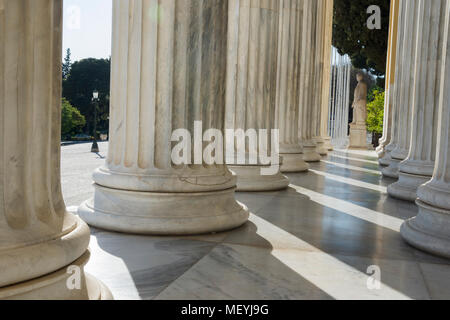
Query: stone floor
{"x": 315, "y": 240}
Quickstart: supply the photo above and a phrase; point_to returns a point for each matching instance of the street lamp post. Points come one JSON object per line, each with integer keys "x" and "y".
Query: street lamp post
{"x": 94, "y": 147}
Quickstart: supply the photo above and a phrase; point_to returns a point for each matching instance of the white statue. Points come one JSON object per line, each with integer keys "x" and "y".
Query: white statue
{"x": 360, "y": 101}
{"x": 358, "y": 128}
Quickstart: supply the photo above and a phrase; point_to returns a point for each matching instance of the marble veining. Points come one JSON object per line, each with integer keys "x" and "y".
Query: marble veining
{"x": 294, "y": 246}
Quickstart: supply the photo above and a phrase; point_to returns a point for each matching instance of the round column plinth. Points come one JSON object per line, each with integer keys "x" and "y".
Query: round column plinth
{"x": 322, "y": 149}
{"x": 163, "y": 213}
{"x": 293, "y": 162}
{"x": 429, "y": 231}
{"x": 320, "y": 146}
{"x": 380, "y": 151}
{"x": 250, "y": 179}
{"x": 385, "y": 160}
{"x": 406, "y": 186}
{"x": 328, "y": 144}
{"x": 29, "y": 261}
{"x": 392, "y": 170}
{"x": 54, "y": 286}
{"x": 310, "y": 154}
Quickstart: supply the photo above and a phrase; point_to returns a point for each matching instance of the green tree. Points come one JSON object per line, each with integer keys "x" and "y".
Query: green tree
{"x": 367, "y": 48}
{"x": 71, "y": 119}
{"x": 86, "y": 76}
{"x": 67, "y": 64}
{"x": 375, "y": 110}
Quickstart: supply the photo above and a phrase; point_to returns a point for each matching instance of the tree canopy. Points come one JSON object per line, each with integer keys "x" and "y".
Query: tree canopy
{"x": 367, "y": 48}
{"x": 84, "y": 77}
{"x": 375, "y": 110}
{"x": 71, "y": 119}
{"x": 67, "y": 64}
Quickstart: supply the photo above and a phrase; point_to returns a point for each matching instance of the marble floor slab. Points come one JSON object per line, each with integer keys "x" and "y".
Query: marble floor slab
{"x": 326, "y": 237}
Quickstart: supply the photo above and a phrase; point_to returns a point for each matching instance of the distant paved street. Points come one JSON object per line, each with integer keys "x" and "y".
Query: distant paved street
{"x": 77, "y": 166}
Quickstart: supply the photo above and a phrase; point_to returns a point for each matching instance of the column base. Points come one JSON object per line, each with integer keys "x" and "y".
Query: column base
{"x": 310, "y": 154}
{"x": 322, "y": 150}
{"x": 380, "y": 153}
{"x": 54, "y": 286}
{"x": 391, "y": 171}
{"x": 33, "y": 260}
{"x": 381, "y": 149}
{"x": 293, "y": 162}
{"x": 163, "y": 213}
{"x": 385, "y": 160}
{"x": 429, "y": 231}
{"x": 249, "y": 179}
{"x": 406, "y": 186}
{"x": 328, "y": 144}
{"x": 320, "y": 146}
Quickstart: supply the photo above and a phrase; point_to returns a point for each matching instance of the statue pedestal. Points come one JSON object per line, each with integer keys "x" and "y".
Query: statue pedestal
{"x": 358, "y": 136}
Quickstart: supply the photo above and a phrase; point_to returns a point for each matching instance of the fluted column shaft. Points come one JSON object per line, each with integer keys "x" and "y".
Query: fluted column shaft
{"x": 405, "y": 90}
{"x": 430, "y": 230}
{"x": 419, "y": 165}
{"x": 307, "y": 82}
{"x": 251, "y": 84}
{"x": 37, "y": 236}
{"x": 288, "y": 84}
{"x": 395, "y": 105}
{"x": 390, "y": 79}
{"x": 168, "y": 73}
{"x": 319, "y": 77}
{"x": 326, "y": 82}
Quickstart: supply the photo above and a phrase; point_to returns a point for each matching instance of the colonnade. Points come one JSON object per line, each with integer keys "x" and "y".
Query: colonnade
{"x": 339, "y": 102}
{"x": 418, "y": 154}
{"x": 205, "y": 66}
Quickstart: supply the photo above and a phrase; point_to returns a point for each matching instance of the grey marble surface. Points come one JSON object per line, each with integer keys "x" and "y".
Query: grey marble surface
{"x": 312, "y": 241}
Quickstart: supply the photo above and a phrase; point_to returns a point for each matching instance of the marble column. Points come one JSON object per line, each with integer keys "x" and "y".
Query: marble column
{"x": 319, "y": 77}
{"x": 404, "y": 87}
{"x": 390, "y": 79}
{"x": 251, "y": 88}
{"x": 394, "y": 107}
{"x": 41, "y": 244}
{"x": 307, "y": 119}
{"x": 419, "y": 165}
{"x": 168, "y": 74}
{"x": 326, "y": 81}
{"x": 430, "y": 230}
{"x": 287, "y": 98}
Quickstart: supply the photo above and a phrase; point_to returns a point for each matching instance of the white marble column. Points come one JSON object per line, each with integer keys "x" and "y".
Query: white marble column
{"x": 287, "y": 99}
{"x": 419, "y": 165}
{"x": 39, "y": 239}
{"x": 251, "y": 86}
{"x": 319, "y": 77}
{"x": 168, "y": 71}
{"x": 326, "y": 80}
{"x": 307, "y": 119}
{"x": 404, "y": 87}
{"x": 394, "y": 106}
{"x": 430, "y": 230}
{"x": 390, "y": 78}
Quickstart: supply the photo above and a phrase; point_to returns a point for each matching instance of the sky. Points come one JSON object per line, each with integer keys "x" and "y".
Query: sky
{"x": 87, "y": 28}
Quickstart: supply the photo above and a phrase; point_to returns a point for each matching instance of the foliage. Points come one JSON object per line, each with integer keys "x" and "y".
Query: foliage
{"x": 375, "y": 110}
{"x": 367, "y": 48}
{"x": 66, "y": 65}
{"x": 86, "y": 76}
{"x": 71, "y": 119}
